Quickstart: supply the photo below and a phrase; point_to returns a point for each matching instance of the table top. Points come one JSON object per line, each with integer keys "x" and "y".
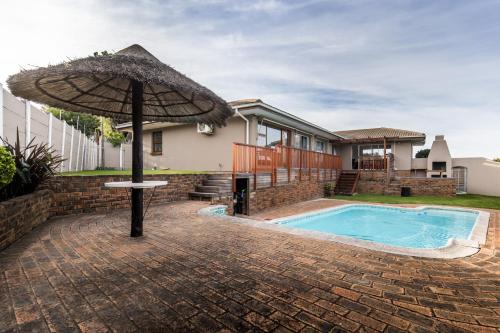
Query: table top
{"x": 129, "y": 184}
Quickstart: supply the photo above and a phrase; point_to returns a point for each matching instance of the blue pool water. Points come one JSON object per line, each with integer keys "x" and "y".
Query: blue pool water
{"x": 426, "y": 228}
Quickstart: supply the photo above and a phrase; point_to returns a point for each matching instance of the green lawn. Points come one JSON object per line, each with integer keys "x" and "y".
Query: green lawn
{"x": 125, "y": 172}
{"x": 465, "y": 200}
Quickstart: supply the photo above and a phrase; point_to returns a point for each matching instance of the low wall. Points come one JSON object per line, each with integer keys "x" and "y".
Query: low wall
{"x": 21, "y": 214}
{"x": 482, "y": 175}
{"x": 270, "y": 197}
{"x": 86, "y": 194}
{"x": 375, "y": 182}
{"x": 443, "y": 187}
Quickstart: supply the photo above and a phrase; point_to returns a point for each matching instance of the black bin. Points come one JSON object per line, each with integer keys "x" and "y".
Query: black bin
{"x": 405, "y": 191}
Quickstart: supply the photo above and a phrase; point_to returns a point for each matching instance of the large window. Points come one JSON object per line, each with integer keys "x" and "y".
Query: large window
{"x": 320, "y": 146}
{"x": 373, "y": 150}
{"x": 302, "y": 141}
{"x": 269, "y": 136}
{"x": 157, "y": 144}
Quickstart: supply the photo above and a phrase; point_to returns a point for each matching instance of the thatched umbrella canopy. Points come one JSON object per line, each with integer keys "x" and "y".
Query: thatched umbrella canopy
{"x": 130, "y": 84}
{"x": 102, "y": 85}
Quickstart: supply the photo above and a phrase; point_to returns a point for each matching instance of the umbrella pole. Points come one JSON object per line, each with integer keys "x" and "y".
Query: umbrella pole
{"x": 137, "y": 165}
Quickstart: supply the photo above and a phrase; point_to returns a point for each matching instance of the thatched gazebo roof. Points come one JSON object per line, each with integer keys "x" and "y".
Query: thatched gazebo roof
{"x": 101, "y": 85}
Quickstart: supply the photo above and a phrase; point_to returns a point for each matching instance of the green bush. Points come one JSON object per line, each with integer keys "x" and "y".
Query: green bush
{"x": 422, "y": 153}
{"x": 329, "y": 189}
{"x": 7, "y": 167}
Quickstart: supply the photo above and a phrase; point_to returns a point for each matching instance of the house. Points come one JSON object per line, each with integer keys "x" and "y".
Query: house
{"x": 390, "y": 150}
{"x": 205, "y": 148}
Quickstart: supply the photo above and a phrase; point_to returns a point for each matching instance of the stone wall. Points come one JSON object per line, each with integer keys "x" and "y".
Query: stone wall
{"x": 375, "y": 182}
{"x": 401, "y": 173}
{"x": 270, "y": 197}
{"x": 86, "y": 194}
{"x": 371, "y": 182}
{"x": 444, "y": 187}
{"x": 21, "y": 214}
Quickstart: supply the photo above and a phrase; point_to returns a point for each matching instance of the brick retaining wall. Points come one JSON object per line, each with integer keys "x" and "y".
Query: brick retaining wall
{"x": 21, "y": 214}
{"x": 86, "y": 194}
{"x": 375, "y": 182}
{"x": 371, "y": 182}
{"x": 445, "y": 187}
{"x": 270, "y": 197}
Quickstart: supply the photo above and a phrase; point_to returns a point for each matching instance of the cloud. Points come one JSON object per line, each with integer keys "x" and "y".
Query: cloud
{"x": 431, "y": 66}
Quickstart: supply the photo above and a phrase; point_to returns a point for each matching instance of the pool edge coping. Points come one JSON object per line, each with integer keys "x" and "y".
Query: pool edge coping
{"x": 455, "y": 248}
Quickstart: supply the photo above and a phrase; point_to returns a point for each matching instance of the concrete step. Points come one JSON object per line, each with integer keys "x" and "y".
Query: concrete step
{"x": 203, "y": 195}
{"x": 223, "y": 183}
{"x": 207, "y": 189}
{"x": 220, "y": 177}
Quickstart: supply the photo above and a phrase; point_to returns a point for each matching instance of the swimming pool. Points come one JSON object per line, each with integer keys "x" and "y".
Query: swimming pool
{"x": 417, "y": 228}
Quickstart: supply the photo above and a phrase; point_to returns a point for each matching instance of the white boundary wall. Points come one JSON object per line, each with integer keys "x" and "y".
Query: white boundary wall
{"x": 33, "y": 123}
{"x": 482, "y": 175}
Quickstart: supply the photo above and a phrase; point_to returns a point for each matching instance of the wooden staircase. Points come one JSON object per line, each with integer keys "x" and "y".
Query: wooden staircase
{"x": 346, "y": 183}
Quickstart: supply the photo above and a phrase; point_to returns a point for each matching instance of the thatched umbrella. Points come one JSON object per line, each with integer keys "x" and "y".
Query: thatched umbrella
{"x": 130, "y": 84}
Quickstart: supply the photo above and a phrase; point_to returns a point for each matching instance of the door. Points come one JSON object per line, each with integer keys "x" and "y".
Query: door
{"x": 460, "y": 175}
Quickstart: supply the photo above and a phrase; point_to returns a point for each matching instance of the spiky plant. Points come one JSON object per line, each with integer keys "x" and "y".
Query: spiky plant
{"x": 35, "y": 163}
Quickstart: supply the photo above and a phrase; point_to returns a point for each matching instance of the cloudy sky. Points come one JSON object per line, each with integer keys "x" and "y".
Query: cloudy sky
{"x": 431, "y": 66}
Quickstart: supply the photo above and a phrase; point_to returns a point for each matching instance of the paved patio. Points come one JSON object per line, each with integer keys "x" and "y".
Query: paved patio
{"x": 193, "y": 273}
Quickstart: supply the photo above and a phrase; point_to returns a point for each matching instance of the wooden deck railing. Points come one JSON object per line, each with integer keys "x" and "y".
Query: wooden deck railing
{"x": 373, "y": 163}
{"x": 248, "y": 159}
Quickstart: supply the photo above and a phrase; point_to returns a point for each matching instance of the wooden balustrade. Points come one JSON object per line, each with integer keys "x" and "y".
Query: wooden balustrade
{"x": 373, "y": 163}
{"x": 248, "y": 159}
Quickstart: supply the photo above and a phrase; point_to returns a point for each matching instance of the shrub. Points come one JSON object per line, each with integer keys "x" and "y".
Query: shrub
{"x": 34, "y": 164}
{"x": 496, "y": 159}
{"x": 7, "y": 167}
{"x": 422, "y": 153}
{"x": 329, "y": 189}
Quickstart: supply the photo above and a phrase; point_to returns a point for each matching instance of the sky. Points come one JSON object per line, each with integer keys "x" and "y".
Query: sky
{"x": 429, "y": 66}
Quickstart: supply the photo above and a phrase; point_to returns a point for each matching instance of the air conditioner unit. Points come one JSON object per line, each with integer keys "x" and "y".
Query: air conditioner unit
{"x": 205, "y": 129}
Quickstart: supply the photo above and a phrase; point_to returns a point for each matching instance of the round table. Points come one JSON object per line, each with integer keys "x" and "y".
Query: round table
{"x": 144, "y": 185}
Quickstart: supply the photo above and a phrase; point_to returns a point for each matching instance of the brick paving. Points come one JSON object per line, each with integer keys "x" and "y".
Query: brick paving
{"x": 205, "y": 274}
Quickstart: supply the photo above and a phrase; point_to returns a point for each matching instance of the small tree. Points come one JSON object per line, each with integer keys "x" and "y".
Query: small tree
{"x": 85, "y": 121}
{"x": 90, "y": 124}
{"x": 113, "y": 136}
{"x": 496, "y": 159}
{"x": 423, "y": 153}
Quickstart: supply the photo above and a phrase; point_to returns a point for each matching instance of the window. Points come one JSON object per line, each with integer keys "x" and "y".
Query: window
{"x": 302, "y": 141}
{"x": 271, "y": 136}
{"x": 157, "y": 143}
{"x": 374, "y": 150}
{"x": 320, "y": 146}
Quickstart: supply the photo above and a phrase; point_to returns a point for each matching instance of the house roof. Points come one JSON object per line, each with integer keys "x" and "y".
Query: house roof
{"x": 244, "y": 101}
{"x": 255, "y": 106}
{"x": 380, "y": 133}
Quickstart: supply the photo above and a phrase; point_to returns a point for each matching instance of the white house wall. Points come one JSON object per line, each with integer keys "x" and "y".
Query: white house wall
{"x": 185, "y": 149}
{"x": 403, "y": 152}
{"x": 345, "y": 153}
